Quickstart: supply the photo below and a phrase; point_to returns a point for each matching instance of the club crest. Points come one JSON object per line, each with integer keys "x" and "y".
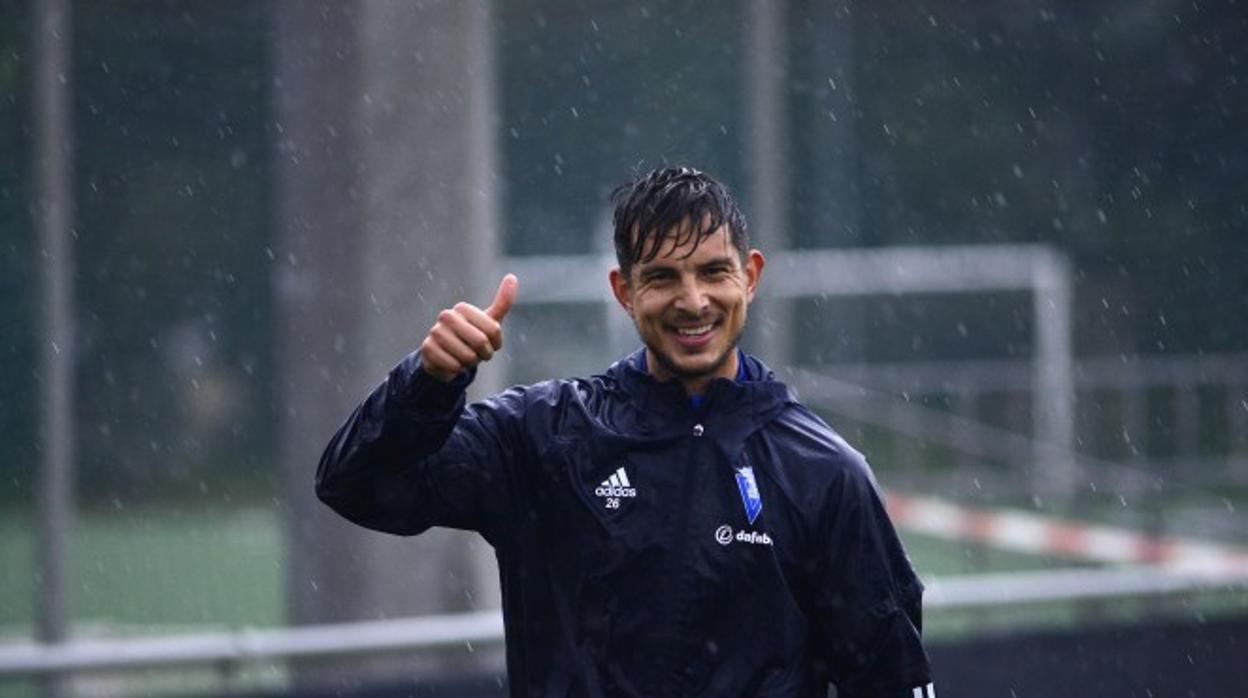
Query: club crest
{"x": 749, "y": 493}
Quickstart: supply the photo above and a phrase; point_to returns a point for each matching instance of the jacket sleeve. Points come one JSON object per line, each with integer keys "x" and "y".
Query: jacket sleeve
{"x": 868, "y": 600}
{"x": 412, "y": 456}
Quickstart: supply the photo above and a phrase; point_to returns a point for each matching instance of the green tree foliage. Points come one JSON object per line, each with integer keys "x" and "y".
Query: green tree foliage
{"x": 1111, "y": 129}
{"x": 18, "y": 280}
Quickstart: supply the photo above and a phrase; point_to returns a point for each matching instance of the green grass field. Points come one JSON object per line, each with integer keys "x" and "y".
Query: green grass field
{"x": 154, "y": 566}
{"x": 180, "y": 568}
{"x": 166, "y": 570}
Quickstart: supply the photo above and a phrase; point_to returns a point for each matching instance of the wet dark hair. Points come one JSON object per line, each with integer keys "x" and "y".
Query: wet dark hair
{"x": 678, "y": 201}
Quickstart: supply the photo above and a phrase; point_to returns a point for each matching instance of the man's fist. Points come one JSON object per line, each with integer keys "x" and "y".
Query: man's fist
{"x": 466, "y": 335}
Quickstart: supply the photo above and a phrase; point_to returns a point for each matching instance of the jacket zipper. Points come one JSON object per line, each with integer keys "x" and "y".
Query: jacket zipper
{"x": 683, "y": 543}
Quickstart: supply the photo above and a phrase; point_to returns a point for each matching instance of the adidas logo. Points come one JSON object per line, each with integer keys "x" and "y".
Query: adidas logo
{"x": 616, "y": 486}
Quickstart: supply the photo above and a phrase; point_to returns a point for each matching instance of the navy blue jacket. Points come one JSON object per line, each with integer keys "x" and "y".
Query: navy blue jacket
{"x": 648, "y": 547}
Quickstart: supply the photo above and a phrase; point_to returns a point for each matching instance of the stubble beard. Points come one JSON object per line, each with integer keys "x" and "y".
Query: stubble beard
{"x": 684, "y": 374}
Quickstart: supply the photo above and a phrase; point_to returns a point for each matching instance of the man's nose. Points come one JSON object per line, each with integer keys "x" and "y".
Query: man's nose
{"x": 692, "y": 295}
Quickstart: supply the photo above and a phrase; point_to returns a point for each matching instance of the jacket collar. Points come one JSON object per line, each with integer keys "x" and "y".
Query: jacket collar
{"x": 731, "y": 411}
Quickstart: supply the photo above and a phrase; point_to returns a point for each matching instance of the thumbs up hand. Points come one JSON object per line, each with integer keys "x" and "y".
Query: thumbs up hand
{"x": 466, "y": 335}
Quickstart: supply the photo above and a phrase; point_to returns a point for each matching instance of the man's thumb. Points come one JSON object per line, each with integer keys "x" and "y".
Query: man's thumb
{"x": 504, "y": 299}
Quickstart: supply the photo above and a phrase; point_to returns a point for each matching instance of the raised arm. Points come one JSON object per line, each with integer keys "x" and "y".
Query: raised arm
{"x": 412, "y": 455}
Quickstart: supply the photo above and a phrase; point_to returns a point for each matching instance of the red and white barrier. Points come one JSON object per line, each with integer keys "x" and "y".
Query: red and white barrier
{"x": 1041, "y": 535}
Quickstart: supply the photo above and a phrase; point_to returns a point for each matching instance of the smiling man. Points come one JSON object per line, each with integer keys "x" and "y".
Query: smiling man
{"x": 688, "y": 294}
{"x": 677, "y": 526}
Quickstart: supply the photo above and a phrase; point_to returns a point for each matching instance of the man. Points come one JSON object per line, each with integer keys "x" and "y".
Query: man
{"x": 678, "y": 526}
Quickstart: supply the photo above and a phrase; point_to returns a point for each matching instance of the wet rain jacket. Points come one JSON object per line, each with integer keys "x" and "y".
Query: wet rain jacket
{"x": 648, "y": 547}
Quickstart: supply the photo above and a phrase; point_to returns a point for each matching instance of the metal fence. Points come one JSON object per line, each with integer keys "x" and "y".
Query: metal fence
{"x": 1180, "y": 410}
{"x": 227, "y": 652}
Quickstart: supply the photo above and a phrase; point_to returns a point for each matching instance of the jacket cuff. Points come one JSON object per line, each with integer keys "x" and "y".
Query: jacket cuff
{"x": 411, "y": 387}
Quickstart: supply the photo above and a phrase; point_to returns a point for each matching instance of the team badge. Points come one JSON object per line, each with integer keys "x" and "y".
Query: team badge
{"x": 749, "y": 493}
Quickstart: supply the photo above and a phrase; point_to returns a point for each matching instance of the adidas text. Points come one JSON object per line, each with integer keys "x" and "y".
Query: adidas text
{"x": 615, "y": 488}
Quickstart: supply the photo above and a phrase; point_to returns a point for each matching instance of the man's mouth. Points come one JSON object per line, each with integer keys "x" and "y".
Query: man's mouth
{"x": 695, "y": 336}
{"x": 695, "y": 331}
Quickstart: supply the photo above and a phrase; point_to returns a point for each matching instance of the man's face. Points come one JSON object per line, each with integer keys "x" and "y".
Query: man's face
{"x": 690, "y": 309}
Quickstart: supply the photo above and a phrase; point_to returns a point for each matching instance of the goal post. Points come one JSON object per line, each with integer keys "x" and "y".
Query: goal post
{"x": 1038, "y": 269}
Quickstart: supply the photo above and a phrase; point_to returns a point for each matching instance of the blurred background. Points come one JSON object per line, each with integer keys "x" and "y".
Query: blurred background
{"x": 1007, "y": 259}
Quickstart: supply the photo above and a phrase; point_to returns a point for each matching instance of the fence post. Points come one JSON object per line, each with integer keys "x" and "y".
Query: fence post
{"x": 53, "y": 152}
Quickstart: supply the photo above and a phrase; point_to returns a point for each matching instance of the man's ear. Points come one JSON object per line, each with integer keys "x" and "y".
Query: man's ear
{"x": 622, "y": 290}
{"x": 754, "y": 263}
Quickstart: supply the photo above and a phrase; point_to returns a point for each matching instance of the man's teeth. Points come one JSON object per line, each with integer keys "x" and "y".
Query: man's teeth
{"x": 692, "y": 331}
